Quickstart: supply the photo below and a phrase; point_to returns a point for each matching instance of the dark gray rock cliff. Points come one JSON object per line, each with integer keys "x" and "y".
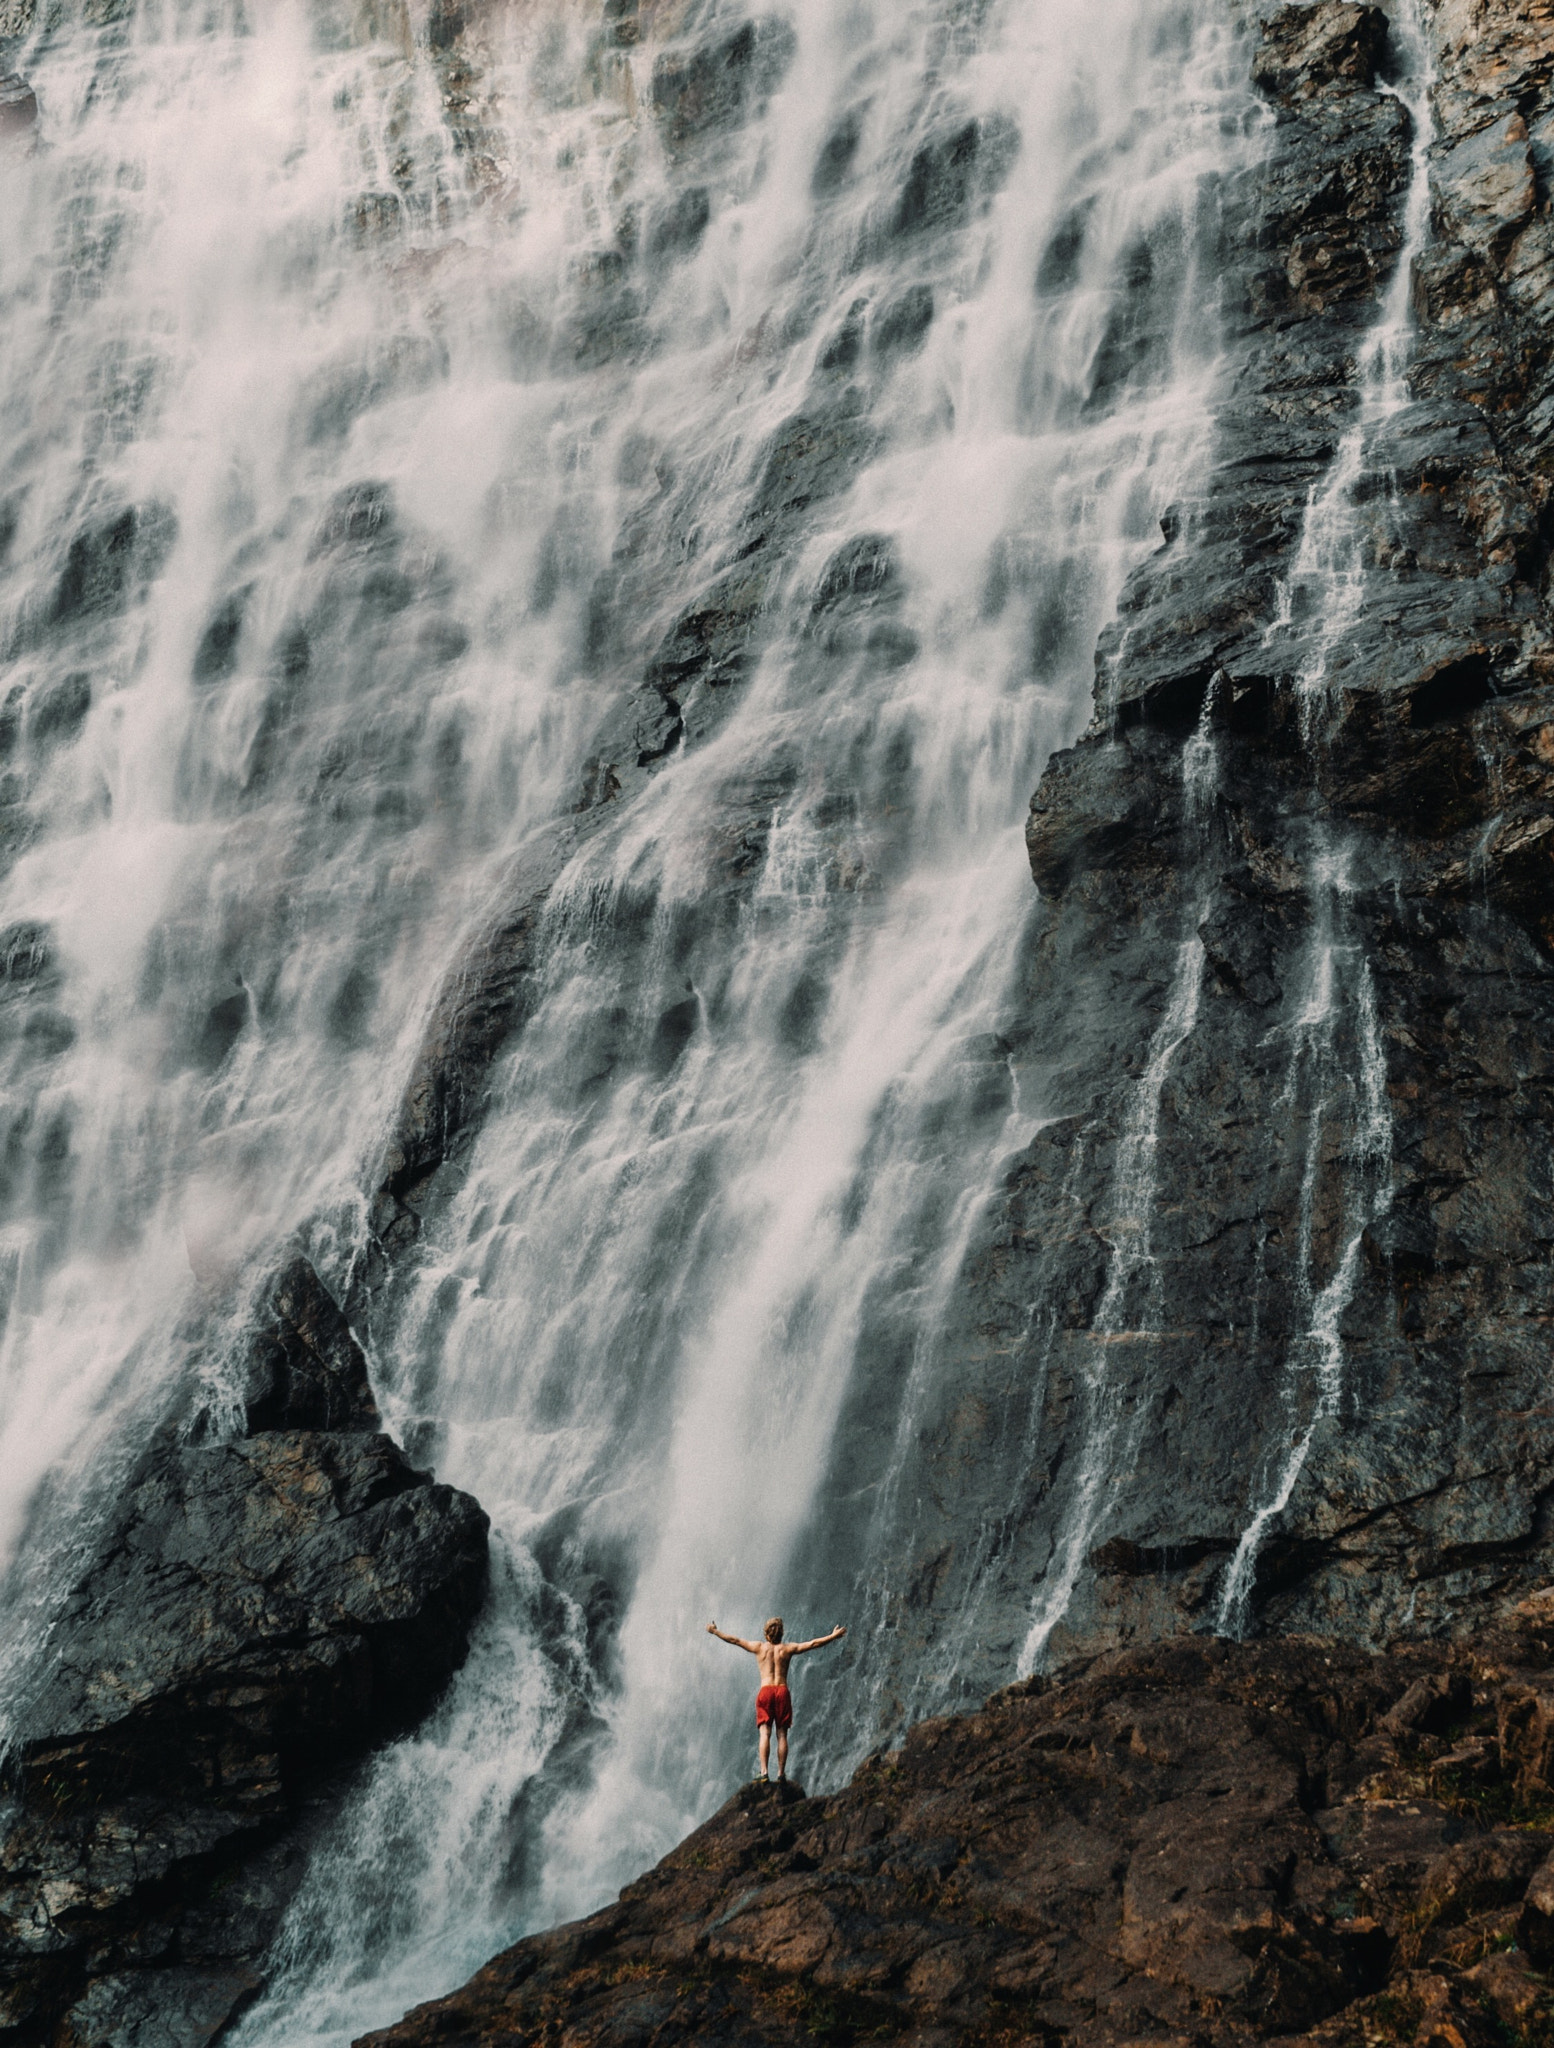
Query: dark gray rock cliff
{"x": 1297, "y": 892}
{"x": 262, "y": 1610}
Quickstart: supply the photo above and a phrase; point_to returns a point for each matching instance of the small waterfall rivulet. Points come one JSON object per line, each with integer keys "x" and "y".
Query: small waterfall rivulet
{"x": 376, "y": 419}
{"x": 1335, "y": 1081}
{"x": 1129, "y": 1301}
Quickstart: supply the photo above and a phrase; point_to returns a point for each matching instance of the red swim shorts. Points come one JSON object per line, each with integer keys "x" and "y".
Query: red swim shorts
{"x": 774, "y": 1707}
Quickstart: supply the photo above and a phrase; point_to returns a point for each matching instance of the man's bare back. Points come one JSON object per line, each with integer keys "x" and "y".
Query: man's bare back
{"x": 773, "y": 1659}
{"x": 773, "y": 1707}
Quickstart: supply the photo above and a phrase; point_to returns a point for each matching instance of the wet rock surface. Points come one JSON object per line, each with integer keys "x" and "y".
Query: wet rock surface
{"x": 18, "y": 106}
{"x": 1192, "y": 1842}
{"x": 1257, "y": 1333}
{"x": 1310, "y": 823}
{"x": 262, "y": 1610}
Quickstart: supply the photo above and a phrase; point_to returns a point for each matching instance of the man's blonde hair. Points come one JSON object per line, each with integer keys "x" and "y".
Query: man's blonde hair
{"x": 774, "y": 1629}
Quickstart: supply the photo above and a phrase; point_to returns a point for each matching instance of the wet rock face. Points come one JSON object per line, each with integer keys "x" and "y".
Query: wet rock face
{"x": 18, "y": 103}
{"x": 1307, "y": 50}
{"x": 306, "y": 1369}
{"x": 1253, "y": 1334}
{"x": 1256, "y": 1335}
{"x": 701, "y": 92}
{"x": 1191, "y": 1842}
{"x": 261, "y": 1612}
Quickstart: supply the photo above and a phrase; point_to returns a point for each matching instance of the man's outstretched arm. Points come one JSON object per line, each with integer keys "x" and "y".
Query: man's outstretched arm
{"x": 820, "y": 1642}
{"x": 738, "y": 1641}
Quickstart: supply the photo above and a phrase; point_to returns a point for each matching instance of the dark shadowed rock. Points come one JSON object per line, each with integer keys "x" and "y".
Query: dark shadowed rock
{"x": 702, "y": 91}
{"x": 1305, "y": 49}
{"x": 18, "y": 107}
{"x": 266, "y": 1602}
{"x": 951, "y": 173}
{"x": 484, "y": 999}
{"x": 262, "y": 1611}
{"x": 307, "y": 1369}
{"x": 1195, "y": 1842}
{"x": 109, "y": 560}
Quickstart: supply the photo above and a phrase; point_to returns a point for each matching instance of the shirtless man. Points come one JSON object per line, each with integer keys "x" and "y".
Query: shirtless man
{"x": 773, "y": 1703}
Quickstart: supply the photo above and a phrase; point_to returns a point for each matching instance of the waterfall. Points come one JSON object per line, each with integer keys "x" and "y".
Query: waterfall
{"x": 379, "y": 411}
{"x": 1321, "y": 599}
{"x": 1130, "y": 1300}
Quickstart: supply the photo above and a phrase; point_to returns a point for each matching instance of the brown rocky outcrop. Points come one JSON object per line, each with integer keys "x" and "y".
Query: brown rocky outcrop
{"x": 1197, "y": 1842}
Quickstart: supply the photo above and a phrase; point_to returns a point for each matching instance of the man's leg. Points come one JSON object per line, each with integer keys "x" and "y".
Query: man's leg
{"x": 782, "y": 1753}
{"x": 766, "y": 1745}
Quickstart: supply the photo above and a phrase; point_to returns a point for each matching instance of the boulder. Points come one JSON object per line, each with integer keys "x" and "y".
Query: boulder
{"x": 261, "y": 1612}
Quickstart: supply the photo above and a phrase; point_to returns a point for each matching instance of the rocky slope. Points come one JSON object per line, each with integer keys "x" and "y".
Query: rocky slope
{"x": 261, "y": 1611}
{"x": 1192, "y": 1842}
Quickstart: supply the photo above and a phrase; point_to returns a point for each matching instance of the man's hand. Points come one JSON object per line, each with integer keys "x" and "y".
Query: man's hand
{"x": 839, "y": 1630}
{"x": 713, "y": 1629}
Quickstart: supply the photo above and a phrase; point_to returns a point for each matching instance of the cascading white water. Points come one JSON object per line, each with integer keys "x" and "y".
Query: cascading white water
{"x": 324, "y": 430}
{"x": 1326, "y": 588}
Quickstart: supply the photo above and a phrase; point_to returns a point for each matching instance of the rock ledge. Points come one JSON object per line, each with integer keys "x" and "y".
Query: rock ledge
{"x": 1200, "y": 1842}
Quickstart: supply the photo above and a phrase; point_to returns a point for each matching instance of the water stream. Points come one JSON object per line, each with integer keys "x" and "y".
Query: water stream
{"x": 1328, "y": 580}
{"x": 1335, "y": 1095}
{"x": 368, "y": 425}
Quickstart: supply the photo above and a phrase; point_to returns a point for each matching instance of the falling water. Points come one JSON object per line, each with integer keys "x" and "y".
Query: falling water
{"x": 1344, "y": 1103}
{"x": 1325, "y": 591}
{"x": 372, "y": 422}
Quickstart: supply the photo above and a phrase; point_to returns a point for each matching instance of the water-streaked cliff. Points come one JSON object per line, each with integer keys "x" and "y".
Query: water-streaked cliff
{"x": 544, "y": 550}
